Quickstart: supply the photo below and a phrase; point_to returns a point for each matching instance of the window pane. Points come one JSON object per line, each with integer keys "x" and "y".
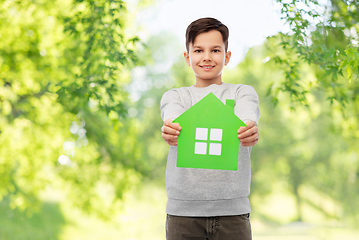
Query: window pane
{"x": 201, "y": 133}
{"x": 215, "y": 149}
{"x": 200, "y": 148}
{"x": 215, "y": 134}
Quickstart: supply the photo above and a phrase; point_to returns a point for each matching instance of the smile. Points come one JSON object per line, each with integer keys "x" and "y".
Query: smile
{"x": 207, "y": 67}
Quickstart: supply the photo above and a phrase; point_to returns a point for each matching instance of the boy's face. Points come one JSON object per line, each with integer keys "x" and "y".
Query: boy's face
{"x": 207, "y": 56}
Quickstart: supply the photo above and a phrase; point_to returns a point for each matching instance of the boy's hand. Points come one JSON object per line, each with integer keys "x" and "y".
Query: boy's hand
{"x": 170, "y": 132}
{"x": 248, "y": 136}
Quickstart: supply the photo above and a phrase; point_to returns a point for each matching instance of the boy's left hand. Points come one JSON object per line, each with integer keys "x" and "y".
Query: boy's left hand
{"x": 248, "y": 136}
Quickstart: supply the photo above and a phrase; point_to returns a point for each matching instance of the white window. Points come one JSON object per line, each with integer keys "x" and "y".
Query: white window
{"x": 200, "y": 148}
{"x": 215, "y": 149}
{"x": 216, "y": 134}
{"x": 201, "y": 133}
{"x": 214, "y": 142}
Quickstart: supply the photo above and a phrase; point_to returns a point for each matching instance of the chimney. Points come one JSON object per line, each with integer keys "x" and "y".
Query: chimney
{"x": 230, "y": 103}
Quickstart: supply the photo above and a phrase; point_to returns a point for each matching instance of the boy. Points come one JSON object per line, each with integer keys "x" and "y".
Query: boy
{"x": 206, "y": 203}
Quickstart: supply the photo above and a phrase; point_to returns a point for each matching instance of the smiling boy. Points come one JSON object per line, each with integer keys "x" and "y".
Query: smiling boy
{"x": 206, "y": 203}
{"x": 207, "y": 56}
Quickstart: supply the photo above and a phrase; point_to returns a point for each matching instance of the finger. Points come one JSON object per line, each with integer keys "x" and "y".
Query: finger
{"x": 251, "y": 138}
{"x": 250, "y": 144}
{"x": 169, "y": 123}
{"x": 169, "y": 137}
{"x": 172, "y": 143}
{"x": 249, "y": 124}
{"x": 242, "y": 129}
{"x": 248, "y": 132}
{"x": 169, "y": 130}
{"x": 174, "y": 126}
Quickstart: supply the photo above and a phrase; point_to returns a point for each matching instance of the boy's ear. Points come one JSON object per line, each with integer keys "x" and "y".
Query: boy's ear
{"x": 228, "y": 57}
{"x": 186, "y": 57}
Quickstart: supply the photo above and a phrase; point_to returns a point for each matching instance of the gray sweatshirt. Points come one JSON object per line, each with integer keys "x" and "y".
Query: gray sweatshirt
{"x": 206, "y": 192}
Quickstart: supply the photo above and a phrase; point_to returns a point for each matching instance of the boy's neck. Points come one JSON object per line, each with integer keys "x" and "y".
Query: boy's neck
{"x": 200, "y": 83}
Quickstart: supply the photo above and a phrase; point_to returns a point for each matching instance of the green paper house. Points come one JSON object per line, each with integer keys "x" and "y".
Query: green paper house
{"x": 208, "y": 137}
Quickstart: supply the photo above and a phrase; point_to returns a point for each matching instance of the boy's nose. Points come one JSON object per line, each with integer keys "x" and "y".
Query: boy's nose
{"x": 207, "y": 56}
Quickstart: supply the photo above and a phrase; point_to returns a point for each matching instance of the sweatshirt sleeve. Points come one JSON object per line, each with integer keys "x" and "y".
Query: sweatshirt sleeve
{"x": 247, "y": 104}
{"x": 171, "y": 105}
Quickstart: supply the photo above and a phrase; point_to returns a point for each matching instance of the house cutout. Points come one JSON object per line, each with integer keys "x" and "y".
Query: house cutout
{"x": 208, "y": 137}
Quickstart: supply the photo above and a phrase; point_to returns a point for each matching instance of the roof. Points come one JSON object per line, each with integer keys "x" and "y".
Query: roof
{"x": 210, "y": 111}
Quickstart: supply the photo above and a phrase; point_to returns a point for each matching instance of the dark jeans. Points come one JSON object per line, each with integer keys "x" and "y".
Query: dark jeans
{"x": 208, "y": 228}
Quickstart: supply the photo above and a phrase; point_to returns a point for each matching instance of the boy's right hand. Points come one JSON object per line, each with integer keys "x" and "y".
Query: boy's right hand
{"x": 170, "y": 132}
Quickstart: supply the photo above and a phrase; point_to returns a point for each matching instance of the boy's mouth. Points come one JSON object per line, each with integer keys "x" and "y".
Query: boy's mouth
{"x": 207, "y": 67}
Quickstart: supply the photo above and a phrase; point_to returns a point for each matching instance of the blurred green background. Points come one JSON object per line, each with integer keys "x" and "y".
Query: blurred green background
{"x": 81, "y": 154}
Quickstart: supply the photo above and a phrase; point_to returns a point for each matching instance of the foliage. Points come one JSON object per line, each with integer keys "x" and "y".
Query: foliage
{"x": 63, "y": 69}
{"x": 100, "y": 50}
{"x": 326, "y": 39}
{"x": 331, "y": 45}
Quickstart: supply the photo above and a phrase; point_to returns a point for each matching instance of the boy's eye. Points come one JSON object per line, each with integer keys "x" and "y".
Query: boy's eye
{"x": 216, "y": 50}
{"x": 197, "y": 51}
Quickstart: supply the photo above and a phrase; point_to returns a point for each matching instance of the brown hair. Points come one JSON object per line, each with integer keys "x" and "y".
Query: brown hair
{"x": 203, "y": 25}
